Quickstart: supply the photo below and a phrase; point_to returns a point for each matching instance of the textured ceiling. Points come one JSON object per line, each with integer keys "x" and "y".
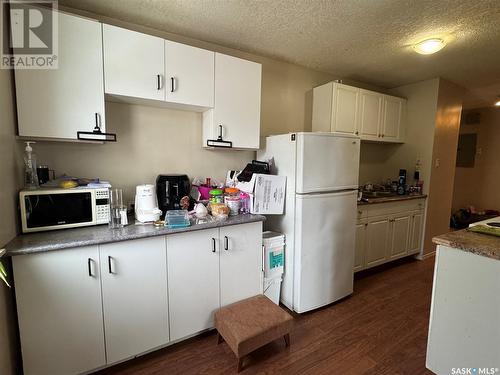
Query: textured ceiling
{"x": 363, "y": 40}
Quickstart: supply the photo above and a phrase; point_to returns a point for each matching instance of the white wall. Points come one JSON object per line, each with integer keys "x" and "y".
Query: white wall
{"x": 478, "y": 186}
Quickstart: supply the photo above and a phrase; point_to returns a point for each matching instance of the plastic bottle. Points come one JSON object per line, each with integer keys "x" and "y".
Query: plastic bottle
{"x": 30, "y": 176}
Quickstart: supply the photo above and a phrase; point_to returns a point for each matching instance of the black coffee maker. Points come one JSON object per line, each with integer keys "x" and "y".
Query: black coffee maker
{"x": 170, "y": 188}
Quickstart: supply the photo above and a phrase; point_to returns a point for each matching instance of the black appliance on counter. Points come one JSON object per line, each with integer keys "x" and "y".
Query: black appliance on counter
{"x": 170, "y": 188}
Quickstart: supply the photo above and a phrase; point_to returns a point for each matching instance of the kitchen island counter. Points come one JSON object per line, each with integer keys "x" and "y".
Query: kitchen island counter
{"x": 463, "y": 329}
{"x": 475, "y": 243}
{"x": 71, "y": 238}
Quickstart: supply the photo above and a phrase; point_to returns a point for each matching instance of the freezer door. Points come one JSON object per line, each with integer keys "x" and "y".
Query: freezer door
{"x": 326, "y": 162}
{"x": 324, "y": 248}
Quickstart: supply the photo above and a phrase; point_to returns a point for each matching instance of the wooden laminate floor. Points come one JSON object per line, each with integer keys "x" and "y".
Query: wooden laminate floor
{"x": 380, "y": 329}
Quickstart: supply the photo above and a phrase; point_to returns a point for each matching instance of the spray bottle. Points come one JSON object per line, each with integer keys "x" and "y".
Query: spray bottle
{"x": 30, "y": 176}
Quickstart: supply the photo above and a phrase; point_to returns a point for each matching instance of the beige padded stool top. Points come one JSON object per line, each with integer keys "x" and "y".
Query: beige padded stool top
{"x": 251, "y": 323}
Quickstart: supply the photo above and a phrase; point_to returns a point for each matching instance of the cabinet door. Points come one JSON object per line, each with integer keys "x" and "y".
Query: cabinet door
{"x": 240, "y": 262}
{"x": 134, "y": 289}
{"x": 59, "y": 309}
{"x": 193, "y": 281}
{"x": 359, "y": 250}
{"x": 399, "y": 234}
{"x": 377, "y": 236}
{"x": 189, "y": 74}
{"x": 237, "y": 102}
{"x": 370, "y": 114}
{"x": 134, "y": 63}
{"x": 392, "y": 119}
{"x": 345, "y": 109}
{"x": 322, "y": 108}
{"x": 417, "y": 222}
{"x": 59, "y": 102}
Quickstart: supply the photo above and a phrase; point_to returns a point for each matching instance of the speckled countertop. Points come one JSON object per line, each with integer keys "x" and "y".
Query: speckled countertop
{"x": 85, "y": 236}
{"x": 395, "y": 198}
{"x": 476, "y": 243}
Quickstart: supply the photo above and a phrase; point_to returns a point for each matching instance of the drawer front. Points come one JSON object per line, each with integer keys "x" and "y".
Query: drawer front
{"x": 390, "y": 208}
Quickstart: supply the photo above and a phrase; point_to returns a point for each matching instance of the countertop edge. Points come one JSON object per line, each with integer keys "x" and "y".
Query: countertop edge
{"x": 391, "y": 199}
{"x": 484, "y": 245}
{"x": 155, "y": 232}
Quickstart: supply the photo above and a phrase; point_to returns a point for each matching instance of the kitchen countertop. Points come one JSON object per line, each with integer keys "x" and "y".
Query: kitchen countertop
{"x": 67, "y": 238}
{"x": 476, "y": 243}
{"x": 395, "y": 198}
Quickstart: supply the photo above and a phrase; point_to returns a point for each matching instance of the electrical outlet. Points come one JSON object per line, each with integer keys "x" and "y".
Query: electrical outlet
{"x": 437, "y": 163}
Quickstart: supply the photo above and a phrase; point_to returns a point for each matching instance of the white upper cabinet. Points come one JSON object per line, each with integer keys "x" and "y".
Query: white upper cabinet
{"x": 189, "y": 75}
{"x": 236, "y": 113}
{"x": 134, "y": 290}
{"x": 134, "y": 63}
{"x": 371, "y": 115}
{"x": 394, "y": 109}
{"x": 59, "y": 102}
{"x": 335, "y": 108}
{"x": 344, "y": 109}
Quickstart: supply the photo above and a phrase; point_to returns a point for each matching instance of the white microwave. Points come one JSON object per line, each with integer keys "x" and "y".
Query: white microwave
{"x": 48, "y": 209}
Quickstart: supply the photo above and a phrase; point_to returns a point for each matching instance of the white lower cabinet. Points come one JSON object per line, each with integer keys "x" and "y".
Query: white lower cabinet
{"x": 134, "y": 295}
{"x": 193, "y": 281}
{"x": 399, "y": 235}
{"x": 86, "y": 308}
{"x": 359, "y": 252}
{"x": 416, "y": 227}
{"x": 208, "y": 269}
{"x": 377, "y": 239}
{"x": 388, "y": 231}
{"x": 239, "y": 244}
{"x": 59, "y": 309}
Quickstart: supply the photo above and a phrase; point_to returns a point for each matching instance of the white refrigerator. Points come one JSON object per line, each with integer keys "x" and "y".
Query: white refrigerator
{"x": 320, "y": 215}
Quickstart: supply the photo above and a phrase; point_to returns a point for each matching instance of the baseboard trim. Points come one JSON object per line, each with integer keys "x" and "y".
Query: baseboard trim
{"x": 425, "y": 256}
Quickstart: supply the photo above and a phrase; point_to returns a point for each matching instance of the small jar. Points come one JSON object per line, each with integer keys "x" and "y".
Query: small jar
{"x": 216, "y": 196}
{"x": 232, "y": 200}
{"x": 244, "y": 203}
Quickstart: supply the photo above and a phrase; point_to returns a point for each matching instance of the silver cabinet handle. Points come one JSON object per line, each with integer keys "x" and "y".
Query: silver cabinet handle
{"x": 89, "y": 265}
{"x": 226, "y": 243}
{"x": 159, "y": 83}
{"x": 110, "y": 270}
{"x": 172, "y": 84}
{"x": 98, "y": 121}
{"x": 213, "y": 245}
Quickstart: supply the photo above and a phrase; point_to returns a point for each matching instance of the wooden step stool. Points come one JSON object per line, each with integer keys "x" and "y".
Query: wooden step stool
{"x": 251, "y": 323}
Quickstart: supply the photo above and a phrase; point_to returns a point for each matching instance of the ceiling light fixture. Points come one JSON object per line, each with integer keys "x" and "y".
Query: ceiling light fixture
{"x": 429, "y": 46}
{"x": 497, "y": 103}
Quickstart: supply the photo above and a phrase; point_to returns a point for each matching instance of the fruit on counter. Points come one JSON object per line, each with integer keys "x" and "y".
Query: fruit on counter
{"x": 68, "y": 184}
